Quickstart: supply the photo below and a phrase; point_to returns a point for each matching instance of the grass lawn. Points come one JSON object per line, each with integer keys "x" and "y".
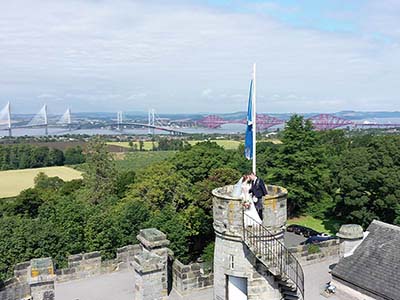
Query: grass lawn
{"x": 330, "y": 226}
{"x": 139, "y": 160}
{"x": 14, "y": 181}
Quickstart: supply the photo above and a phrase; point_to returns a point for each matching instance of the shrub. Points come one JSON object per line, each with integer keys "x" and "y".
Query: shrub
{"x": 312, "y": 249}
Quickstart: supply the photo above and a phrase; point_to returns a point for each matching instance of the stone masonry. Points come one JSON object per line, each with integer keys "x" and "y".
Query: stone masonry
{"x": 187, "y": 278}
{"x": 231, "y": 256}
{"x": 151, "y": 266}
{"x": 41, "y": 279}
{"x": 327, "y": 249}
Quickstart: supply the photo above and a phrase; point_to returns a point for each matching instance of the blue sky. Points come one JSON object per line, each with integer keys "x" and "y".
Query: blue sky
{"x": 196, "y": 56}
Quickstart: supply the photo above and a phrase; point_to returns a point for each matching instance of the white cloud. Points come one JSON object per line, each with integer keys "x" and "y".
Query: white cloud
{"x": 146, "y": 53}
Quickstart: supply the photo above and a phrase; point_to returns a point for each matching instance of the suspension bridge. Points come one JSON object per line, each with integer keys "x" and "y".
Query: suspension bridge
{"x": 154, "y": 122}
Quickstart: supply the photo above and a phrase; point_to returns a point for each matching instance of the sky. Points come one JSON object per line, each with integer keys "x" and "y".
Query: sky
{"x": 190, "y": 56}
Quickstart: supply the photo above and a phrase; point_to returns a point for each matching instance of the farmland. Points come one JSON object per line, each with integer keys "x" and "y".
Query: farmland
{"x": 141, "y": 159}
{"x": 148, "y": 145}
{"x": 14, "y": 181}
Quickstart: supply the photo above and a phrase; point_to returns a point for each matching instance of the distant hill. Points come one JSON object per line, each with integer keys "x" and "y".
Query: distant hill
{"x": 138, "y": 115}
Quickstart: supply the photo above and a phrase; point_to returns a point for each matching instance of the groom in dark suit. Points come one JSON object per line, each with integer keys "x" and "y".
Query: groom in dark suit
{"x": 258, "y": 190}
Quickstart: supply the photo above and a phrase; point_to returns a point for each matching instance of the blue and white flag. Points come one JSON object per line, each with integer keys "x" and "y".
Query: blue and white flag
{"x": 248, "y": 143}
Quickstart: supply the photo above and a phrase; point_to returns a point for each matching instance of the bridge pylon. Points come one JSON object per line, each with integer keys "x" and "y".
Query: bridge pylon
{"x": 40, "y": 119}
{"x": 46, "y": 122}
{"x": 8, "y": 107}
{"x": 119, "y": 120}
{"x": 5, "y": 117}
{"x": 66, "y": 119}
{"x": 151, "y": 120}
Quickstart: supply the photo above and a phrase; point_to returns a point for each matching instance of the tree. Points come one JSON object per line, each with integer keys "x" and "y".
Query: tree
{"x": 159, "y": 185}
{"x": 124, "y": 179}
{"x": 100, "y": 174}
{"x": 130, "y": 217}
{"x": 44, "y": 182}
{"x": 56, "y": 157}
{"x": 74, "y": 155}
{"x": 173, "y": 224}
{"x": 366, "y": 179}
{"x": 202, "y": 189}
{"x": 300, "y": 166}
{"x": 195, "y": 163}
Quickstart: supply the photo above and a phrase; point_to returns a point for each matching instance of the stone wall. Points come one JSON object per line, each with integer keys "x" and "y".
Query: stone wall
{"x": 190, "y": 277}
{"x": 13, "y": 289}
{"x": 84, "y": 265}
{"x": 327, "y": 249}
{"x": 89, "y": 264}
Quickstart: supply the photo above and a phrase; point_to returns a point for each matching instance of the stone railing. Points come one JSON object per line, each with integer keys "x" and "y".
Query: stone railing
{"x": 151, "y": 260}
{"x": 85, "y": 265}
{"x": 31, "y": 276}
{"x": 190, "y": 277}
{"x": 314, "y": 253}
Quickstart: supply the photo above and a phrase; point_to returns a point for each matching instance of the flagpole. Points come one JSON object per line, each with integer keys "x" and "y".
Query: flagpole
{"x": 254, "y": 119}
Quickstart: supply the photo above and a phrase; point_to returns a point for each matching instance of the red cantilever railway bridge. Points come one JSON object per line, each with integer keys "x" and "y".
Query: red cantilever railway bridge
{"x": 320, "y": 122}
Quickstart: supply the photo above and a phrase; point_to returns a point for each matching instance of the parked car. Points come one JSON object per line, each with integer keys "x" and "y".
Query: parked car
{"x": 299, "y": 229}
{"x": 317, "y": 239}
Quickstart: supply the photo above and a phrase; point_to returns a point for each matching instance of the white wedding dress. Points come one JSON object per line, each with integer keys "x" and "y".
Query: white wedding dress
{"x": 242, "y": 189}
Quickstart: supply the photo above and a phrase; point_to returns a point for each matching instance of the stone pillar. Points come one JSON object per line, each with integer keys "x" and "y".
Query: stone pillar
{"x": 151, "y": 266}
{"x": 41, "y": 279}
{"x": 231, "y": 256}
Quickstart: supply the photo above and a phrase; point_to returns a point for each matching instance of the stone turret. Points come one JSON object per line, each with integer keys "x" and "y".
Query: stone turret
{"x": 236, "y": 270}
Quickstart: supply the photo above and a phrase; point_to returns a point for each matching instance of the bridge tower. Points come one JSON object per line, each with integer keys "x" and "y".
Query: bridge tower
{"x": 119, "y": 120}
{"x": 151, "y": 120}
{"x": 5, "y": 118}
{"x": 250, "y": 260}
{"x": 66, "y": 119}
{"x": 69, "y": 119}
{"x": 46, "y": 123}
{"x": 9, "y": 118}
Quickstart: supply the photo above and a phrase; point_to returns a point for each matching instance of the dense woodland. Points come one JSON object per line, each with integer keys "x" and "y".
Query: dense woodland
{"x": 330, "y": 175}
{"x": 23, "y": 156}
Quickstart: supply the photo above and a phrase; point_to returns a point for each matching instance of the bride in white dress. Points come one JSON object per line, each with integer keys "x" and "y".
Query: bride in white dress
{"x": 241, "y": 190}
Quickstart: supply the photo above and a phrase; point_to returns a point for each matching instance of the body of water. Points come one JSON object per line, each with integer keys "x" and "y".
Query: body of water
{"x": 224, "y": 129}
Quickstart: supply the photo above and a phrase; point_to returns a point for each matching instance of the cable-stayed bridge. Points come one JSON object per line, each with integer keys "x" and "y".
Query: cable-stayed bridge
{"x": 41, "y": 120}
{"x": 155, "y": 122}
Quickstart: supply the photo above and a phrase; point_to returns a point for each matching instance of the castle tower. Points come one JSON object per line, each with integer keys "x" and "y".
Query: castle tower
{"x": 250, "y": 261}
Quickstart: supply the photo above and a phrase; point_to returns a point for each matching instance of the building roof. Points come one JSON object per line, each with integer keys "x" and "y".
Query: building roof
{"x": 374, "y": 268}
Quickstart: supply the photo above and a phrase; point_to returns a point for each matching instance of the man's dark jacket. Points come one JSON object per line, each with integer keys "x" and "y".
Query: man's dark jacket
{"x": 258, "y": 190}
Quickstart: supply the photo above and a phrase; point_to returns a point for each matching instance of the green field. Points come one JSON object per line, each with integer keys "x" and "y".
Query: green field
{"x": 14, "y": 181}
{"x": 146, "y": 145}
{"x": 328, "y": 226}
{"x": 227, "y": 144}
{"x": 138, "y": 160}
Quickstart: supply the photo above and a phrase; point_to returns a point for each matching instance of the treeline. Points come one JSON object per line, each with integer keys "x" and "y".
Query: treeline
{"x": 23, "y": 156}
